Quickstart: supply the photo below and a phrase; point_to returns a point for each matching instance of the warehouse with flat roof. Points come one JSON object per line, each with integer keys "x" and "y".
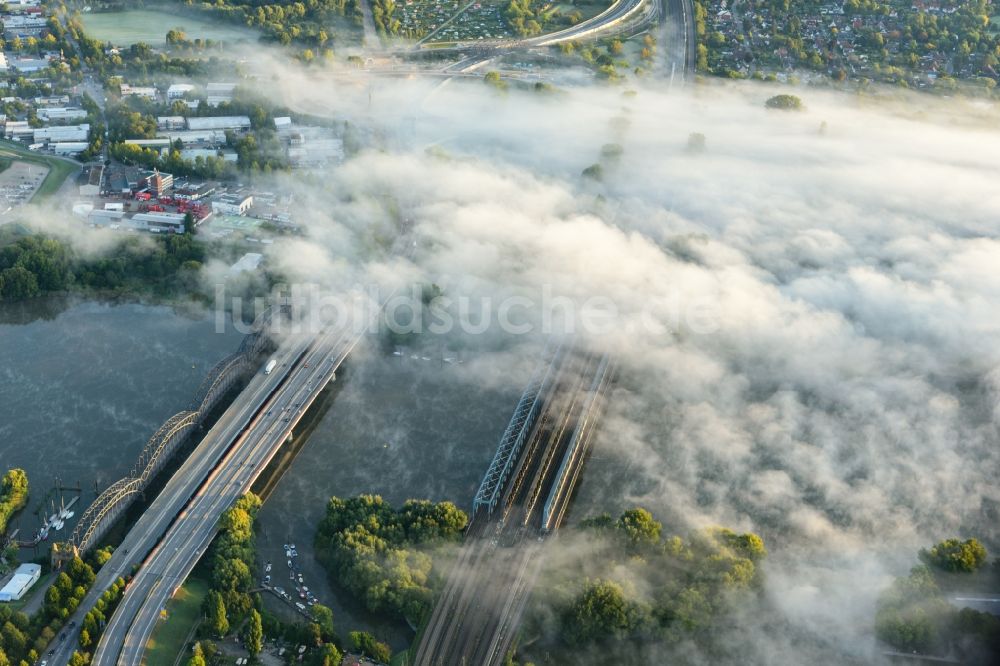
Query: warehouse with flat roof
{"x": 219, "y": 123}
{"x": 22, "y": 580}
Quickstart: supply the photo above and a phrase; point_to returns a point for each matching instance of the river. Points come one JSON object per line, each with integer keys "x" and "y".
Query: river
{"x": 400, "y": 427}
{"x": 85, "y": 384}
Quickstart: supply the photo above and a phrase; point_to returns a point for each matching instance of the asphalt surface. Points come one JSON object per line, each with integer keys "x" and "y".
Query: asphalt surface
{"x": 153, "y": 523}
{"x": 164, "y": 570}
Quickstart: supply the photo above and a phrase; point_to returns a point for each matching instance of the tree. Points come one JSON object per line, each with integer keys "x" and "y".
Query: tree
{"x": 696, "y": 142}
{"x": 493, "y": 79}
{"x": 955, "y": 556}
{"x": 215, "y": 614}
{"x": 18, "y": 283}
{"x": 365, "y": 643}
{"x": 594, "y": 172}
{"x": 329, "y": 655}
{"x": 323, "y": 617}
{"x": 639, "y": 527}
{"x": 601, "y": 611}
{"x": 784, "y": 102}
{"x": 197, "y": 656}
{"x": 253, "y": 634}
{"x": 79, "y": 659}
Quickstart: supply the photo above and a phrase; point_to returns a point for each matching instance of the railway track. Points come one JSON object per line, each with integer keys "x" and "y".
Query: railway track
{"x": 477, "y": 615}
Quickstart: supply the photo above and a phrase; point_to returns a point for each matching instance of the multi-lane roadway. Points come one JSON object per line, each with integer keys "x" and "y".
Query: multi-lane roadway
{"x": 150, "y": 527}
{"x": 303, "y": 377}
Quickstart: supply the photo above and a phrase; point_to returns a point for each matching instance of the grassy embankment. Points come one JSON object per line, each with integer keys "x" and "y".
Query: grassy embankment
{"x": 183, "y": 613}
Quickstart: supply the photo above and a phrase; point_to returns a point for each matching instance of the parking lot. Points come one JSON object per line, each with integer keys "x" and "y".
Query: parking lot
{"x": 18, "y": 183}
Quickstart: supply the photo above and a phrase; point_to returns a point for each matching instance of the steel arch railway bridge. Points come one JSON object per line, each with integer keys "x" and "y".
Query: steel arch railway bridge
{"x": 160, "y": 448}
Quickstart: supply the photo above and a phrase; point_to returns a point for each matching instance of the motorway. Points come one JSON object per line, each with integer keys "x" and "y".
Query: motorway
{"x": 179, "y": 489}
{"x": 306, "y": 374}
{"x": 679, "y": 43}
{"x": 477, "y": 615}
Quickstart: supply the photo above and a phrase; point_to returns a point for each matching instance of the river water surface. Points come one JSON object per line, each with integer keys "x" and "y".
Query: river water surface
{"x": 83, "y": 385}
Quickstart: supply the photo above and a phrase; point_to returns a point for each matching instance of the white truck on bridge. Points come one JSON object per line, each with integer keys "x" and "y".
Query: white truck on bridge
{"x": 270, "y": 366}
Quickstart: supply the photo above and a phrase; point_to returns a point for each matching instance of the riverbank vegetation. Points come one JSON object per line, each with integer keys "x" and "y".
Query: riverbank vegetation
{"x": 380, "y": 554}
{"x": 13, "y": 495}
{"x": 37, "y": 264}
{"x": 25, "y": 639}
{"x": 169, "y": 266}
{"x": 625, "y": 586}
{"x": 915, "y": 614}
{"x": 232, "y": 606}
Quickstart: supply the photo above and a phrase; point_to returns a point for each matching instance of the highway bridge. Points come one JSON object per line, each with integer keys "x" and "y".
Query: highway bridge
{"x": 523, "y": 498}
{"x": 305, "y": 363}
{"x": 301, "y": 377}
{"x": 116, "y": 498}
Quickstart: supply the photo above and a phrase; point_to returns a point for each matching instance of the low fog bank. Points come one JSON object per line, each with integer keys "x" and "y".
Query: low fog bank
{"x": 803, "y": 311}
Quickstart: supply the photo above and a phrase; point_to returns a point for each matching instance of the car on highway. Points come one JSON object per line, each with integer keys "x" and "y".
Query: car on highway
{"x": 267, "y": 579}
{"x": 267, "y": 568}
{"x": 300, "y": 606}
{"x": 289, "y": 564}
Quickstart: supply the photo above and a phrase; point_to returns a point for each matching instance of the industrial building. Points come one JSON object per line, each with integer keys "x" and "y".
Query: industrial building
{"x": 195, "y": 153}
{"x": 25, "y": 576}
{"x": 156, "y": 182}
{"x": 90, "y": 181}
{"x": 248, "y": 263}
{"x": 178, "y": 90}
{"x": 138, "y": 91}
{"x": 192, "y": 192}
{"x": 62, "y": 133}
{"x": 27, "y": 65}
{"x": 105, "y": 218}
{"x": 149, "y": 143}
{"x": 240, "y": 123}
{"x": 157, "y": 222}
{"x": 57, "y": 113}
{"x": 24, "y": 26}
{"x": 68, "y": 148}
{"x": 170, "y": 122}
{"x": 232, "y": 204}
{"x": 214, "y": 137}
{"x": 15, "y": 129}
{"x": 219, "y": 93}
{"x": 52, "y": 100}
